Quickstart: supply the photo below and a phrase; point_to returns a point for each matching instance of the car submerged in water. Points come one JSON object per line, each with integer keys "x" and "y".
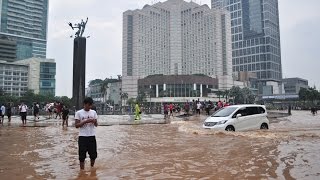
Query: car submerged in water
{"x": 238, "y": 118}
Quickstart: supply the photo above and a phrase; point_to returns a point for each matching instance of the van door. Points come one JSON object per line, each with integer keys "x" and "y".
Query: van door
{"x": 253, "y": 118}
{"x": 240, "y": 122}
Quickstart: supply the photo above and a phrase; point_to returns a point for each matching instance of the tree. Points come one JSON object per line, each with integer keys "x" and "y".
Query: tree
{"x": 164, "y": 93}
{"x": 225, "y": 94}
{"x": 141, "y": 97}
{"x": 235, "y": 92}
{"x": 248, "y": 96}
{"x": 312, "y": 95}
{"x": 65, "y": 100}
{"x": 219, "y": 94}
{"x": 303, "y": 94}
{"x": 104, "y": 89}
{"x": 131, "y": 102}
{"x": 2, "y": 92}
{"x": 124, "y": 96}
{"x": 96, "y": 81}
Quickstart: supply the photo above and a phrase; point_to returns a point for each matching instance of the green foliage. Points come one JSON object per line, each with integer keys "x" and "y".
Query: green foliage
{"x": 131, "y": 102}
{"x": 226, "y": 94}
{"x": 311, "y": 94}
{"x": 65, "y": 100}
{"x": 195, "y": 93}
{"x": 124, "y": 96}
{"x": 219, "y": 94}
{"x": 164, "y": 93}
{"x": 242, "y": 96}
{"x": 199, "y": 74}
{"x": 142, "y": 97}
{"x": 104, "y": 88}
{"x": 2, "y": 92}
{"x": 96, "y": 81}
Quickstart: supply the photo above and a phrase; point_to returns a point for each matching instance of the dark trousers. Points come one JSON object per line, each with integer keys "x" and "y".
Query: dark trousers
{"x": 87, "y": 144}
{"x": 23, "y": 115}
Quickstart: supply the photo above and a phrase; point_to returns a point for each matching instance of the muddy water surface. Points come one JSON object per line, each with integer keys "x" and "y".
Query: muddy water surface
{"x": 180, "y": 150}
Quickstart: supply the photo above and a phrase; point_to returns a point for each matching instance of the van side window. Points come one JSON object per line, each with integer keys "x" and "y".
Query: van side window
{"x": 242, "y": 111}
{"x": 261, "y": 110}
{"x": 252, "y": 111}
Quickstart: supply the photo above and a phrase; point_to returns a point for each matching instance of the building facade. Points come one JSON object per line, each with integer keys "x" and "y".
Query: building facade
{"x": 94, "y": 91}
{"x": 25, "y": 21}
{"x": 112, "y": 93}
{"x": 176, "y": 38}
{"x": 13, "y": 78}
{"x": 255, "y": 38}
{"x": 182, "y": 88}
{"x": 293, "y": 85}
{"x": 8, "y": 49}
{"x": 42, "y": 75}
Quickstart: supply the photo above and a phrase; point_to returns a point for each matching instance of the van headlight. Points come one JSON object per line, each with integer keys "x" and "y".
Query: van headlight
{"x": 222, "y": 122}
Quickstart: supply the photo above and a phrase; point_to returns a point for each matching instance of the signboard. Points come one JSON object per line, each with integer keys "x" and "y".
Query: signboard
{"x": 282, "y": 97}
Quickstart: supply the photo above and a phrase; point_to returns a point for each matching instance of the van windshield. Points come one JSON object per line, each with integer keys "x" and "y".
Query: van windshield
{"x": 224, "y": 112}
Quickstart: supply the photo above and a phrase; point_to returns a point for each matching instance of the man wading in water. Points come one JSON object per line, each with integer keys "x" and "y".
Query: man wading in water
{"x": 86, "y": 120}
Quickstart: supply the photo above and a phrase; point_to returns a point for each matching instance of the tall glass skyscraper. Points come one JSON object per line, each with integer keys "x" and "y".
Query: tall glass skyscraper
{"x": 255, "y": 37}
{"x": 25, "y": 21}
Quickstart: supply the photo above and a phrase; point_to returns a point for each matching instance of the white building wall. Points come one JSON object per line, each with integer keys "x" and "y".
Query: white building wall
{"x": 34, "y": 72}
{"x": 177, "y": 37}
{"x": 13, "y": 78}
{"x": 130, "y": 86}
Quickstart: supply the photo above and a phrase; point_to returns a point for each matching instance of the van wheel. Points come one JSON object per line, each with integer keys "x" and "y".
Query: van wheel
{"x": 230, "y": 128}
{"x": 264, "y": 126}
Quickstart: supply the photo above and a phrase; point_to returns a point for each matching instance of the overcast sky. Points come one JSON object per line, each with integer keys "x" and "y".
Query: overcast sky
{"x": 300, "y": 38}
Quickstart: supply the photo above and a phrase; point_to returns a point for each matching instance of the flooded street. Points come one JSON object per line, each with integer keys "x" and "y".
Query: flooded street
{"x": 180, "y": 150}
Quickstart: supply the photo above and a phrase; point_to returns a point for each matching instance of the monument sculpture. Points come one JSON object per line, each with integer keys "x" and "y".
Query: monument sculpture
{"x": 79, "y": 63}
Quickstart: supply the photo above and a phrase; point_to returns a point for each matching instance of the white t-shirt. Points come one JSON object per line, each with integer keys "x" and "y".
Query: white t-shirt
{"x": 199, "y": 106}
{"x": 23, "y": 108}
{"x": 87, "y": 129}
{"x": 3, "y": 110}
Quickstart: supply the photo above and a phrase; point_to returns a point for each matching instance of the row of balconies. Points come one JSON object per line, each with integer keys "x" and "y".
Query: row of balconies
{"x": 24, "y": 13}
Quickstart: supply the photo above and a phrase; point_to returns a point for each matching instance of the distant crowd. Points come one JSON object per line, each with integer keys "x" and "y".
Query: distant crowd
{"x": 52, "y": 110}
{"x": 194, "y": 107}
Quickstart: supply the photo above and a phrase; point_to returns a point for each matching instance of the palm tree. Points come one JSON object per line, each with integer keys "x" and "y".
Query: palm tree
{"x": 226, "y": 94}
{"x": 219, "y": 94}
{"x": 164, "y": 93}
{"x": 124, "y": 96}
{"x": 104, "y": 88}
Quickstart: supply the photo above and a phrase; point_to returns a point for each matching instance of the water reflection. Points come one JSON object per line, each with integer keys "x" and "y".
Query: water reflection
{"x": 88, "y": 175}
{"x": 180, "y": 150}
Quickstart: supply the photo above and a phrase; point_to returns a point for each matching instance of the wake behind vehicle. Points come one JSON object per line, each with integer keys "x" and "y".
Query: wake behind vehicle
{"x": 238, "y": 118}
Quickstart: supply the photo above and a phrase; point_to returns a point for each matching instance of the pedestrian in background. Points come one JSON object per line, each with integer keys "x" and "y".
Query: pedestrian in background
{"x": 65, "y": 115}
{"x": 23, "y": 113}
{"x": 137, "y": 112}
{"x": 2, "y": 113}
{"x": 8, "y": 111}
{"x": 36, "y": 109}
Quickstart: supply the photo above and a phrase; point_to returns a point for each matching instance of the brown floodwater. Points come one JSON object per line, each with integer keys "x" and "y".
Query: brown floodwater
{"x": 180, "y": 150}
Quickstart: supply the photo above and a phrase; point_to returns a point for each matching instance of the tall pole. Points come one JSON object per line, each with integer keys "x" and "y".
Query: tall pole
{"x": 79, "y": 71}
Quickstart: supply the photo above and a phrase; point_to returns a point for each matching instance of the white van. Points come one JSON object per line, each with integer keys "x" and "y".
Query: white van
{"x": 238, "y": 118}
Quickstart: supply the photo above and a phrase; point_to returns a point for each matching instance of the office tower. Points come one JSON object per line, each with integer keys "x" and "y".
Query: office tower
{"x": 25, "y": 21}
{"x": 255, "y": 39}
{"x": 41, "y": 75}
{"x": 8, "y": 49}
{"x": 13, "y": 78}
{"x": 175, "y": 38}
